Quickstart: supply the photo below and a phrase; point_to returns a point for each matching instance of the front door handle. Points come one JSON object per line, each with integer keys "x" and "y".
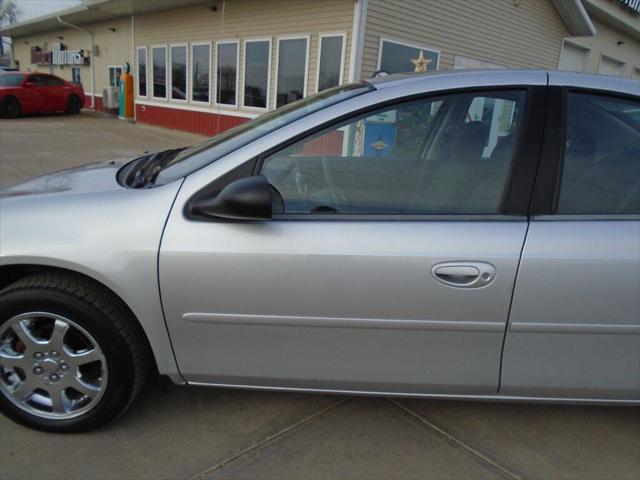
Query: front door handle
{"x": 464, "y": 274}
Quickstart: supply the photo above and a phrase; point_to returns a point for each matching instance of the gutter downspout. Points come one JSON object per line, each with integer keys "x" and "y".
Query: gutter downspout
{"x": 134, "y": 65}
{"x": 357, "y": 39}
{"x": 93, "y": 79}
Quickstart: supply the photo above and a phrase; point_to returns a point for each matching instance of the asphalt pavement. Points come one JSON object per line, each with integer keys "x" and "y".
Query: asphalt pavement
{"x": 188, "y": 432}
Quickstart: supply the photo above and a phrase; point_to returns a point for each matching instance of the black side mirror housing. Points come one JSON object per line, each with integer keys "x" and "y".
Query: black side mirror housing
{"x": 248, "y": 198}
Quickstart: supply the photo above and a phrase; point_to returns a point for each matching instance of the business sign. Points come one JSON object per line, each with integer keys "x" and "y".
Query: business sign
{"x": 59, "y": 55}
{"x": 632, "y": 4}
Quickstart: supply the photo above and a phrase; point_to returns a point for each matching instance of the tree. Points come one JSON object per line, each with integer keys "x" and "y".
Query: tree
{"x": 8, "y": 11}
{"x": 8, "y": 14}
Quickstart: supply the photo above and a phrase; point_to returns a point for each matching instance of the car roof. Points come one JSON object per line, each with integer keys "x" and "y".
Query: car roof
{"x": 443, "y": 79}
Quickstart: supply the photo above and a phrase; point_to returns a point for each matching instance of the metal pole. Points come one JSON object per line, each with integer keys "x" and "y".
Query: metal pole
{"x": 92, "y": 66}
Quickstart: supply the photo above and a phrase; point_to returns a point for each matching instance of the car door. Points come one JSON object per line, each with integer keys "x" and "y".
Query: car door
{"x": 57, "y": 92}
{"x": 389, "y": 265}
{"x": 34, "y": 97}
{"x": 575, "y": 323}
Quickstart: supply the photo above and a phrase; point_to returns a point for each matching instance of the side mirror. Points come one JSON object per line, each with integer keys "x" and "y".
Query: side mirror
{"x": 29, "y": 84}
{"x": 248, "y": 198}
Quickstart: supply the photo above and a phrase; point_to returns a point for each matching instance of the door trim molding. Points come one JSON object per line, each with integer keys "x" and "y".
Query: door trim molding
{"x": 597, "y": 329}
{"x": 337, "y": 322}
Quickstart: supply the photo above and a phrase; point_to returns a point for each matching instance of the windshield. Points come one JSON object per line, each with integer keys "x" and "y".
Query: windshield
{"x": 10, "y": 80}
{"x": 196, "y": 157}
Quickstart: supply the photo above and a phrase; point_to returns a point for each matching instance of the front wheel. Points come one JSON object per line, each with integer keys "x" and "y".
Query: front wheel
{"x": 10, "y": 107}
{"x": 70, "y": 357}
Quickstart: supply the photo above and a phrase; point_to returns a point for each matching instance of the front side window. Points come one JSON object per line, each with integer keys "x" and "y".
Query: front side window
{"x": 179, "y": 72}
{"x": 142, "y": 71}
{"x": 601, "y": 166}
{"x": 197, "y": 156}
{"x": 397, "y": 57}
{"x": 114, "y": 76}
{"x": 256, "y": 73}
{"x": 442, "y": 155}
{"x": 330, "y": 61}
{"x": 227, "y": 74}
{"x": 52, "y": 81}
{"x": 292, "y": 70}
{"x": 159, "y": 71}
{"x": 200, "y": 72}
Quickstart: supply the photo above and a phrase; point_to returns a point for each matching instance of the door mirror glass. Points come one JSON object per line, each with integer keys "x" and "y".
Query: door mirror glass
{"x": 248, "y": 198}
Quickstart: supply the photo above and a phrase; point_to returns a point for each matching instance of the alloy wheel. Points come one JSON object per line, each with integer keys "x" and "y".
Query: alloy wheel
{"x": 50, "y": 366}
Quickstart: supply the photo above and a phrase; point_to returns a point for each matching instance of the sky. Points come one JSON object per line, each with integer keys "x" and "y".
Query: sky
{"x": 36, "y": 8}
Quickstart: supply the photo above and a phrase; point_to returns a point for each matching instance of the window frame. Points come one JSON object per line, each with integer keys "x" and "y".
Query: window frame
{"x": 166, "y": 73}
{"x": 109, "y": 67}
{"x": 406, "y": 44}
{"x": 343, "y": 53}
{"x": 76, "y": 68}
{"x": 280, "y": 38}
{"x": 519, "y": 183}
{"x": 214, "y": 70}
{"x": 546, "y": 194}
{"x": 170, "y": 72}
{"x": 190, "y": 72}
{"x": 244, "y": 71}
{"x": 146, "y": 71}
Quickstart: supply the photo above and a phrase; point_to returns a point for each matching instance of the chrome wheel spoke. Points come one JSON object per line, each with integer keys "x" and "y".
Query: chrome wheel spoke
{"x": 84, "y": 388}
{"x": 23, "y": 390}
{"x": 12, "y": 361}
{"x": 22, "y": 332}
{"x": 60, "y": 329}
{"x": 82, "y": 358}
{"x": 56, "y": 394}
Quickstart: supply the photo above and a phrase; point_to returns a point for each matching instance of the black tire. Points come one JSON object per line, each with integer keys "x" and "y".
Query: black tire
{"x": 10, "y": 108}
{"x": 106, "y": 319}
{"x": 74, "y": 106}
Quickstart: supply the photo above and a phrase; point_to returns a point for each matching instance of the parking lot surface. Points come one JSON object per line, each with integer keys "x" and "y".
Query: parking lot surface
{"x": 187, "y": 432}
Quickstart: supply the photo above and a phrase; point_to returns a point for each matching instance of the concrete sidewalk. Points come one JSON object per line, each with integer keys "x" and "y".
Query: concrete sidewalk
{"x": 180, "y": 432}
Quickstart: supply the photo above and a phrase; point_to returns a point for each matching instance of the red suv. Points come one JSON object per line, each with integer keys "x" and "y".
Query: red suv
{"x": 23, "y": 93}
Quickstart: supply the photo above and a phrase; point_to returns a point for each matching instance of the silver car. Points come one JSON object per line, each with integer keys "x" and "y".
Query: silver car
{"x": 463, "y": 235}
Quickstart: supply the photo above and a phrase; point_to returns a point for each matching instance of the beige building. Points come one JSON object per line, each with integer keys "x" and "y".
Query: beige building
{"x": 207, "y": 65}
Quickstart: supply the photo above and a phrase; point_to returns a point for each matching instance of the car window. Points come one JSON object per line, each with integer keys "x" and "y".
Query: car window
{"x": 10, "y": 80}
{"x": 54, "y": 82}
{"x": 448, "y": 155}
{"x": 197, "y": 156}
{"x": 38, "y": 80}
{"x": 601, "y": 167}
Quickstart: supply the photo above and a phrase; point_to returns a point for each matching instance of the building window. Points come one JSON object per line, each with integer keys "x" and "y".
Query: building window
{"x": 611, "y": 66}
{"x": 292, "y": 70}
{"x": 257, "y": 60}
{"x": 159, "y": 72}
{"x": 142, "y": 71}
{"x": 200, "y": 72}
{"x": 114, "y": 76}
{"x": 573, "y": 57}
{"x": 330, "y": 61}
{"x": 397, "y": 57}
{"x": 227, "y": 73}
{"x": 179, "y": 72}
{"x": 76, "y": 77}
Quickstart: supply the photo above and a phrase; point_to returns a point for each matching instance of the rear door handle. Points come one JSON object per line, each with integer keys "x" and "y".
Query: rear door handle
{"x": 464, "y": 274}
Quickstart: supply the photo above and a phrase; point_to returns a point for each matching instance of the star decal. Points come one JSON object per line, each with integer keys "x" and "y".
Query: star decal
{"x": 421, "y": 62}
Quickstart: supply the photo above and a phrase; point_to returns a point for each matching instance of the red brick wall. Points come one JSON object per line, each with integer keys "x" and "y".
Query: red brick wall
{"x": 203, "y": 123}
